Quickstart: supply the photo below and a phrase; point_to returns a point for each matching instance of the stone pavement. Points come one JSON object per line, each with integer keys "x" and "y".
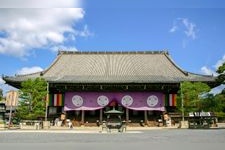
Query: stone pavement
{"x": 55, "y": 129}
{"x": 83, "y": 129}
{"x": 221, "y": 125}
{"x": 165, "y": 139}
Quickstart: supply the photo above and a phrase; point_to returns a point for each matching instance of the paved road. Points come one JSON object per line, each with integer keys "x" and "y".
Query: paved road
{"x": 173, "y": 139}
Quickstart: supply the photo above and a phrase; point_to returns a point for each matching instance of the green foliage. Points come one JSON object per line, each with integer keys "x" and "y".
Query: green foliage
{"x": 1, "y": 94}
{"x": 214, "y": 104}
{"x": 220, "y": 98}
{"x": 220, "y": 79}
{"x": 195, "y": 99}
{"x": 191, "y": 96}
{"x": 221, "y": 70}
{"x": 220, "y": 110}
{"x": 32, "y": 99}
{"x": 211, "y": 104}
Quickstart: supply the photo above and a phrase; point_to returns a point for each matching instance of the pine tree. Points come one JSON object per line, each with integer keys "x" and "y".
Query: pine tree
{"x": 32, "y": 99}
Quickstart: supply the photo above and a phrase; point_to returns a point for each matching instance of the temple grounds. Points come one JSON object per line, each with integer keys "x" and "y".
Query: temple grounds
{"x": 132, "y": 139}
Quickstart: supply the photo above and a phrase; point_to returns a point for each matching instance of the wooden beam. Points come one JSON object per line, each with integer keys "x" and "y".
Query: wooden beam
{"x": 146, "y": 117}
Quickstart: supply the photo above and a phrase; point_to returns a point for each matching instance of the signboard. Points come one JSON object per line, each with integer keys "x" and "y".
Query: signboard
{"x": 199, "y": 114}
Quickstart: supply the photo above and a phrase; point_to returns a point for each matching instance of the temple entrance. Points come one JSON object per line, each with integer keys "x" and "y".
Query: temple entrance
{"x": 139, "y": 108}
{"x": 136, "y": 118}
{"x": 144, "y": 117}
{"x": 96, "y": 117}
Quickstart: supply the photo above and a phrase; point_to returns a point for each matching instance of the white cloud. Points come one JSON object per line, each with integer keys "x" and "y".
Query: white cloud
{"x": 173, "y": 29}
{"x": 219, "y": 62}
{"x": 2, "y": 81}
{"x": 40, "y": 3}
{"x": 85, "y": 32}
{"x": 5, "y": 87}
{"x": 207, "y": 71}
{"x": 62, "y": 47}
{"x": 187, "y": 27}
{"x": 27, "y": 70}
{"x": 23, "y": 30}
{"x": 190, "y": 28}
{"x": 26, "y": 29}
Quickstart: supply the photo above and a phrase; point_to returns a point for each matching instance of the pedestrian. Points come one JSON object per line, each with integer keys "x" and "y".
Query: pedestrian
{"x": 56, "y": 121}
{"x": 70, "y": 125}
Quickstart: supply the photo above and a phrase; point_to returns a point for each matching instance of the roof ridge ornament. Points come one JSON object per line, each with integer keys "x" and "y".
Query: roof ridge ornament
{"x": 60, "y": 52}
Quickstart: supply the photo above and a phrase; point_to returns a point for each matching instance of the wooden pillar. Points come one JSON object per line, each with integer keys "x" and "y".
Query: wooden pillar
{"x": 82, "y": 116}
{"x": 145, "y": 116}
{"x": 101, "y": 116}
{"x": 127, "y": 115}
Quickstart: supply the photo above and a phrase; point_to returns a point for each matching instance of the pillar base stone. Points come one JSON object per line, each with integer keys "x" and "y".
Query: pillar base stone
{"x": 183, "y": 124}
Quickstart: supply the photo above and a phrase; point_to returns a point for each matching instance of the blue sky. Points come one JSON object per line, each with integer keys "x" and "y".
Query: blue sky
{"x": 31, "y": 33}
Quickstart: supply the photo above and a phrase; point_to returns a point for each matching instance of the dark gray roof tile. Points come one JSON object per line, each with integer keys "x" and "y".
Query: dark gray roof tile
{"x": 115, "y": 67}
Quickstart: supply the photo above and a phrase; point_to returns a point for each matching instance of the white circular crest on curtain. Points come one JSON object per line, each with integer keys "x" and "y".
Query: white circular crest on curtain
{"x": 102, "y": 100}
{"x": 127, "y": 100}
{"x": 152, "y": 101}
{"x": 77, "y": 100}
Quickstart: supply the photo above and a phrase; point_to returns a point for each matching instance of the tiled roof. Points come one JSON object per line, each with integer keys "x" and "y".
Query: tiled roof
{"x": 114, "y": 67}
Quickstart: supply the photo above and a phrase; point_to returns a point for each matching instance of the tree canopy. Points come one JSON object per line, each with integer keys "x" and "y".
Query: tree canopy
{"x": 32, "y": 99}
{"x": 221, "y": 71}
{"x": 220, "y": 98}
{"x": 1, "y": 94}
{"x": 192, "y": 95}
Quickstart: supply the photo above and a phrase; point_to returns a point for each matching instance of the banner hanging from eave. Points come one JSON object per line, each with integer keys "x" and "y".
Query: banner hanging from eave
{"x": 170, "y": 99}
{"x": 56, "y": 99}
{"x": 98, "y": 100}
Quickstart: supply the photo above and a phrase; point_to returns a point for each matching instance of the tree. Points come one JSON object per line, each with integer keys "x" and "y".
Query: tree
{"x": 32, "y": 99}
{"x": 192, "y": 96}
{"x": 221, "y": 69}
{"x": 221, "y": 77}
{"x": 220, "y": 98}
{"x": 1, "y": 94}
{"x": 210, "y": 104}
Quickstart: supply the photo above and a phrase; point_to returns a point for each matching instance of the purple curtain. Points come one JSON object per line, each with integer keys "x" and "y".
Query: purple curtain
{"x": 98, "y": 100}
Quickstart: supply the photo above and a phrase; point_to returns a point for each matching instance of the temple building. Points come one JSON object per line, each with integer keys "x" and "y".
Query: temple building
{"x": 83, "y": 85}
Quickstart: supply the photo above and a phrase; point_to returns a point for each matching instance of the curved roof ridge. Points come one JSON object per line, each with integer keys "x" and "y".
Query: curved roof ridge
{"x": 114, "y": 52}
{"x": 25, "y": 75}
{"x": 175, "y": 65}
{"x": 53, "y": 63}
{"x": 34, "y": 73}
{"x": 204, "y": 75}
